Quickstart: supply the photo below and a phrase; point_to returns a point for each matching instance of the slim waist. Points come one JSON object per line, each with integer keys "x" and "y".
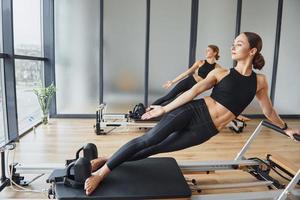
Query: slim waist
{"x": 201, "y": 113}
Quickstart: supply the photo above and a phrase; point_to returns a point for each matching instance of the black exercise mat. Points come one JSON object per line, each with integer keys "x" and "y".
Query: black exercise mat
{"x": 144, "y": 179}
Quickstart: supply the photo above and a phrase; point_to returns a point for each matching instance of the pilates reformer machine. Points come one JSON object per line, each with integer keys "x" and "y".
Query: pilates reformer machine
{"x": 115, "y": 120}
{"x": 112, "y": 121}
{"x": 256, "y": 167}
{"x": 153, "y": 178}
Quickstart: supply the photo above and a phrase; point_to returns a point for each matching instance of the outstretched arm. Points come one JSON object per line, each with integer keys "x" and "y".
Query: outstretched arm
{"x": 186, "y": 97}
{"x": 183, "y": 75}
{"x": 197, "y": 89}
{"x": 267, "y": 107}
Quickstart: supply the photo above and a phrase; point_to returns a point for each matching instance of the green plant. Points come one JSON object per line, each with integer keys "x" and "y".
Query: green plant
{"x": 44, "y": 95}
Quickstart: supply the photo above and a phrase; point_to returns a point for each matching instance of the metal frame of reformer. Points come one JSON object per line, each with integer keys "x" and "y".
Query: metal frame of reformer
{"x": 240, "y": 162}
{"x": 114, "y": 120}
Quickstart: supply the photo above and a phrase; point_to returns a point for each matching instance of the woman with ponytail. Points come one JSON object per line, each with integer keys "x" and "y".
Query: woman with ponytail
{"x": 197, "y": 72}
{"x": 187, "y": 122}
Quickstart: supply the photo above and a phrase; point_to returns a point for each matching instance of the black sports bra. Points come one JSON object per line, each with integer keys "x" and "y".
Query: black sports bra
{"x": 235, "y": 91}
{"x": 205, "y": 69}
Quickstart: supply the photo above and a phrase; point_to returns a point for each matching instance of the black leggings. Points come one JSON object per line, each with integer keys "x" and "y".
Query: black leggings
{"x": 181, "y": 87}
{"x": 186, "y": 126}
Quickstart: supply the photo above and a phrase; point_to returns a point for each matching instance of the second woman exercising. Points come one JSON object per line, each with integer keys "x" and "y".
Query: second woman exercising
{"x": 190, "y": 77}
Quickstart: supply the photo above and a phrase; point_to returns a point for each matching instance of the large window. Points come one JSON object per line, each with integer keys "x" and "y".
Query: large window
{"x": 27, "y": 18}
{"x": 27, "y": 27}
{"x": 29, "y": 75}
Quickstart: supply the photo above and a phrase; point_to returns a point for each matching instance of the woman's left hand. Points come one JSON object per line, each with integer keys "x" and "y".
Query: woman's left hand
{"x": 155, "y": 111}
{"x": 291, "y": 131}
{"x": 167, "y": 84}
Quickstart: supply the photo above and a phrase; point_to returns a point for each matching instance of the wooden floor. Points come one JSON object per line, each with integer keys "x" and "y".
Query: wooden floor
{"x": 60, "y": 139}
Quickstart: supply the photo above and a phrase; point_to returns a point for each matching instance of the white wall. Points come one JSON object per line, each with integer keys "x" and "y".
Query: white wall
{"x": 169, "y": 43}
{"x": 77, "y": 56}
{"x": 287, "y": 91}
{"x": 256, "y": 19}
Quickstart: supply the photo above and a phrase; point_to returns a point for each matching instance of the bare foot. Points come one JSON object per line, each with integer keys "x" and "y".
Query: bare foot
{"x": 97, "y": 163}
{"x": 92, "y": 183}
